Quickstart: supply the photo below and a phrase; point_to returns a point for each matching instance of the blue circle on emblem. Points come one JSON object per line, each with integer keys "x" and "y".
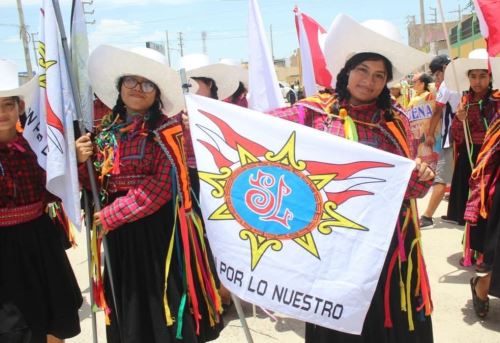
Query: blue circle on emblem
{"x": 273, "y": 200}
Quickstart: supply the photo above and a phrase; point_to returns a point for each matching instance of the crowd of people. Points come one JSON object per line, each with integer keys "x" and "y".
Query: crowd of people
{"x": 163, "y": 286}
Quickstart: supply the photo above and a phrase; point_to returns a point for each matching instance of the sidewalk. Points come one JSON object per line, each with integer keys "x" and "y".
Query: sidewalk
{"x": 453, "y": 319}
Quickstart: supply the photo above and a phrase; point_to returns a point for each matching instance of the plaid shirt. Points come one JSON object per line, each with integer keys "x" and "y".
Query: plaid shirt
{"x": 144, "y": 176}
{"x": 478, "y": 122}
{"x": 367, "y": 135}
{"x": 22, "y": 180}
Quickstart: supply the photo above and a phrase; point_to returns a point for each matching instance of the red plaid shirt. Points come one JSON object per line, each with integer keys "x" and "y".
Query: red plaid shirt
{"x": 367, "y": 135}
{"x": 478, "y": 122}
{"x": 22, "y": 180}
{"x": 144, "y": 176}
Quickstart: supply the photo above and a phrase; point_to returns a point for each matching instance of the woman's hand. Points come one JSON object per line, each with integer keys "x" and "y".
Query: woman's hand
{"x": 461, "y": 113}
{"x": 84, "y": 148}
{"x": 425, "y": 173}
{"x": 185, "y": 119}
{"x": 98, "y": 222}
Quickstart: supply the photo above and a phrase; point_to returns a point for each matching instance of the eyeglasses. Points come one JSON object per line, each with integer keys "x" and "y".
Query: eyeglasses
{"x": 131, "y": 82}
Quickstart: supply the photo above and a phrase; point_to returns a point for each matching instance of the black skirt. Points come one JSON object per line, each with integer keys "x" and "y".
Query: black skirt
{"x": 485, "y": 238}
{"x": 39, "y": 291}
{"x": 459, "y": 192}
{"x": 137, "y": 253}
{"x": 374, "y": 330}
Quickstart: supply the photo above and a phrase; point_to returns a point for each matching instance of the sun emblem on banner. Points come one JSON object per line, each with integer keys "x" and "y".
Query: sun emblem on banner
{"x": 276, "y": 197}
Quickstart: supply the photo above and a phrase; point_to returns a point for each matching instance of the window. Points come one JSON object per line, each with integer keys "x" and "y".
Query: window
{"x": 453, "y": 35}
{"x": 466, "y": 28}
{"x": 475, "y": 27}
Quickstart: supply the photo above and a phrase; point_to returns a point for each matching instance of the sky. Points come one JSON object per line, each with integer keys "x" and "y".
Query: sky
{"x": 130, "y": 23}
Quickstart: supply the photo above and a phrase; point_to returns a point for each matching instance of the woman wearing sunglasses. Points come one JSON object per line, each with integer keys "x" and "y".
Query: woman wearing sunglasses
{"x": 162, "y": 288}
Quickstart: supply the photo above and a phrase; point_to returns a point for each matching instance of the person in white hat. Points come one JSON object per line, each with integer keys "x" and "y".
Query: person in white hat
{"x": 158, "y": 293}
{"x": 39, "y": 295}
{"x": 475, "y": 112}
{"x": 362, "y": 62}
{"x": 218, "y": 81}
{"x": 483, "y": 211}
{"x": 445, "y": 107}
{"x": 239, "y": 97}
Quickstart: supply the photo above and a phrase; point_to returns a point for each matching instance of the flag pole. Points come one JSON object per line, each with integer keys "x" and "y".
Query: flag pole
{"x": 455, "y": 77}
{"x": 236, "y": 300}
{"x": 90, "y": 170}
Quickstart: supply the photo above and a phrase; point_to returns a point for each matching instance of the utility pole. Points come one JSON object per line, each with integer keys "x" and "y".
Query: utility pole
{"x": 181, "y": 44}
{"x": 272, "y": 45}
{"x": 168, "y": 49}
{"x": 204, "y": 40}
{"x": 25, "y": 37}
{"x": 34, "y": 45}
{"x": 433, "y": 14}
{"x": 459, "y": 12}
{"x": 422, "y": 24}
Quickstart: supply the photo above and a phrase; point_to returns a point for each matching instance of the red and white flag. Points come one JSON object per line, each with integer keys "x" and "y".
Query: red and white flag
{"x": 488, "y": 12}
{"x": 311, "y": 39}
{"x": 49, "y": 123}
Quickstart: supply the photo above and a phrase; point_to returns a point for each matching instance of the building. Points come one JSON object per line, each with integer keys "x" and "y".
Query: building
{"x": 431, "y": 39}
{"x": 466, "y": 36}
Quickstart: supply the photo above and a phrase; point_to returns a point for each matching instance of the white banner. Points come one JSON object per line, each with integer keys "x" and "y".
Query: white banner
{"x": 49, "y": 123}
{"x": 264, "y": 92}
{"x": 293, "y": 214}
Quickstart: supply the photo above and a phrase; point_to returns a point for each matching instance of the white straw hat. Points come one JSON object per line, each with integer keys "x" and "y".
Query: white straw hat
{"x": 225, "y": 76}
{"x": 243, "y": 72}
{"x": 9, "y": 85}
{"x": 346, "y": 38}
{"x": 107, "y": 64}
{"x": 478, "y": 59}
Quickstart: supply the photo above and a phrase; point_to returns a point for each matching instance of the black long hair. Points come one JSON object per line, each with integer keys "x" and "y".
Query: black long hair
{"x": 236, "y": 95}
{"x": 213, "y": 86}
{"x": 384, "y": 101}
{"x": 153, "y": 115}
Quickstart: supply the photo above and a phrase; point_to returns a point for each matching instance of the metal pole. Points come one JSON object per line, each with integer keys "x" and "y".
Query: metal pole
{"x": 90, "y": 169}
{"x": 168, "y": 49}
{"x": 272, "y": 44}
{"x": 88, "y": 225}
{"x": 34, "y": 45}
{"x": 181, "y": 44}
{"x": 236, "y": 300}
{"x": 24, "y": 36}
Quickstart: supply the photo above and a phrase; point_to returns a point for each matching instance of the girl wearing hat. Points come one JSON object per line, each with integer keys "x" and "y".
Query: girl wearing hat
{"x": 475, "y": 113}
{"x": 163, "y": 289}
{"x": 39, "y": 295}
{"x": 401, "y": 305}
{"x": 218, "y": 81}
{"x": 483, "y": 214}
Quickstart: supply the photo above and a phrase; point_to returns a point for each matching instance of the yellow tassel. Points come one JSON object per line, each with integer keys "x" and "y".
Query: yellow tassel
{"x": 168, "y": 314}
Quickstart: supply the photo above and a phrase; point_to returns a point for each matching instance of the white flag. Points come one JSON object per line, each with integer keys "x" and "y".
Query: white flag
{"x": 264, "y": 92}
{"x": 79, "y": 57}
{"x": 49, "y": 124}
{"x": 294, "y": 227}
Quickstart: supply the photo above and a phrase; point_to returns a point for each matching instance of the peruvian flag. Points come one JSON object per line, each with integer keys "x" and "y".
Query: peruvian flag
{"x": 49, "y": 122}
{"x": 489, "y": 23}
{"x": 311, "y": 39}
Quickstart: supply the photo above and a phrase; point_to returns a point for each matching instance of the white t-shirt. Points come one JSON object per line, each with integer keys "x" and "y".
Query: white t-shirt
{"x": 450, "y": 100}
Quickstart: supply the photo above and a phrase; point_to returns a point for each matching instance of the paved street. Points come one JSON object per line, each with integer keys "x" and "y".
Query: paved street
{"x": 454, "y": 320}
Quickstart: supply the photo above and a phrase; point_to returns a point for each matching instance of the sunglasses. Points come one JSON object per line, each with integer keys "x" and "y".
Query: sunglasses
{"x": 131, "y": 82}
